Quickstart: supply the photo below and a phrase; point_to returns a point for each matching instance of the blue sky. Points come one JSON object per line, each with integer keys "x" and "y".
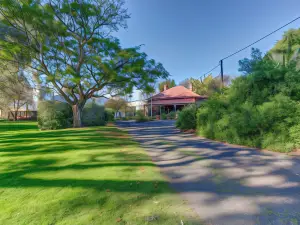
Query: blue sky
{"x": 190, "y": 36}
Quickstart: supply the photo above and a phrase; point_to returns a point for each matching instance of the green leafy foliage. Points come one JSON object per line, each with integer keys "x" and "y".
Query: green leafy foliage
{"x": 54, "y": 115}
{"x": 163, "y": 116}
{"x": 187, "y": 118}
{"x": 209, "y": 85}
{"x": 247, "y": 65}
{"x": 172, "y": 115}
{"x": 286, "y": 50}
{"x": 93, "y": 115}
{"x": 109, "y": 114}
{"x": 169, "y": 83}
{"x": 116, "y": 104}
{"x": 71, "y": 47}
{"x": 140, "y": 117}
{"x": 260, "y": 110}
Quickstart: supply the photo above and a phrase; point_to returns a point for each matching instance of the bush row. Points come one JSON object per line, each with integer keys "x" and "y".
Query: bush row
{"x": 54, "y": 115}
{"x": 260, "y": 109}
{"x": 271, "y": 125}
{"x": 170, "y": 115}
{"x": 187, "y": 118}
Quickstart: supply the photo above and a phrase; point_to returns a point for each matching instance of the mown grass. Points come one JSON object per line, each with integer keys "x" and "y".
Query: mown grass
{"x": 82, "y": 176}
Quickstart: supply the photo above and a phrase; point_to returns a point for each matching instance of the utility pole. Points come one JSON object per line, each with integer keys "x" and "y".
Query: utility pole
{"x": 222, "y": 75}
{"x": 151, "y": 105}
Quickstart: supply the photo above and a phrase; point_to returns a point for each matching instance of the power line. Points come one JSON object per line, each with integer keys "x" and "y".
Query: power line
{"x": 211, "y": 70}
{"x": 221, "y": 61}
{"x": 261, "y": 38}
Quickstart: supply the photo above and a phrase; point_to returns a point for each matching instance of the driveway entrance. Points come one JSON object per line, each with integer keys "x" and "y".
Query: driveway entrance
{"x": 224, "y": 184}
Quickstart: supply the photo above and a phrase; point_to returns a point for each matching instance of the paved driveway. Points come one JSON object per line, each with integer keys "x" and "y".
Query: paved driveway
{"x": 225, "y": 184}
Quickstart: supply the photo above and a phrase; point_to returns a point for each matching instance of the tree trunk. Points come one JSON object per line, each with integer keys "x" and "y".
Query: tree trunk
{"x": 16, "y": 115}
{"x": 76, "y": 116}
{"x": 12, "y": 114}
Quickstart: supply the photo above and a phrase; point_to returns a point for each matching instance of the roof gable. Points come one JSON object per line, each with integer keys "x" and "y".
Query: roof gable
{"x": 177, "y": 92}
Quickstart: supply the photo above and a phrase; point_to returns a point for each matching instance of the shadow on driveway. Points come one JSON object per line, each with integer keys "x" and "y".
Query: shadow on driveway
{"x": 225, "y": 184}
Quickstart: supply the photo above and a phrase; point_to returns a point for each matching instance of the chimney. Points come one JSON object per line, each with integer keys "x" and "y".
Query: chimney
{"x": 165, "y": 87}
{"x": 190, "y": 86}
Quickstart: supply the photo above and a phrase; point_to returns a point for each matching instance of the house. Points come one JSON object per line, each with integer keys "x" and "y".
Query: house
{"x": 172, "y": 99}
{"x": 24, "y": 112}
{"x": 131, "y": 109}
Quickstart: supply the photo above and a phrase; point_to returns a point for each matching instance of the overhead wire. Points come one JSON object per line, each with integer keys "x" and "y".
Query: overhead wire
{"x": 210, "y": 70}
{"x": 261, "y": 39}
{"x": 242, "y": 49}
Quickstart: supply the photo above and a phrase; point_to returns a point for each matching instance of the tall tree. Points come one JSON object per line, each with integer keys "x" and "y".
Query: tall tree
{"x": 247, "y": 65}
{"x": 70, "y": 45}
{"x": 116, "y": 104}
{"x": 209, "y": 85}
{"x": 170, "y": 83}
{"x": 186, "y": 83}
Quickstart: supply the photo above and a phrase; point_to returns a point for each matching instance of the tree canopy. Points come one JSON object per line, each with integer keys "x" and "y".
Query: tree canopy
{"x": 186, "y": 83}
{"x": 209, "y": 85}
{"x": 247, "y": 65}
{"x": 116, "y": 104}
{"x": 69, "y": 44}
{"x": 170, "y": 83}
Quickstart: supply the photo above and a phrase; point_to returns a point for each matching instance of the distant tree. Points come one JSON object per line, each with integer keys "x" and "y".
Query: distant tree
{"x": 69, "y": 44}
{"x": 209, "y": 85}
{"x": 247, "y": 65}
{"x": 170, "y": 83}
{"x": 116, "y": 104}
{"x": 186, "y": 83}
{"x": 15, "y": 91}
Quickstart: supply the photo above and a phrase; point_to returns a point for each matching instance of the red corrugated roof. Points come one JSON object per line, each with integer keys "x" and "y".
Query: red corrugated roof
{"x": 177, "y": 92}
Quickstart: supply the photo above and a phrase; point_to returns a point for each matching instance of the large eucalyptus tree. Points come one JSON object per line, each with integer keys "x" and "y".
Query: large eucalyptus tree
{"x": 70, "y": 45}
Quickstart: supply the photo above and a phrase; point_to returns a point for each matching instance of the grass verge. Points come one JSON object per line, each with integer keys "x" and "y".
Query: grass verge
{"x": 92, "y": 175}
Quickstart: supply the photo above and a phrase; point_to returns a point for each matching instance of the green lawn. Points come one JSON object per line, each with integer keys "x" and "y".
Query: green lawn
{"x": 82, "y": 176}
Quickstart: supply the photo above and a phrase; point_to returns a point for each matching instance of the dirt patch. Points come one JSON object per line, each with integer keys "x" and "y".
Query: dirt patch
{"x": 190, "y": 131}
{"x": 296, "y": 152}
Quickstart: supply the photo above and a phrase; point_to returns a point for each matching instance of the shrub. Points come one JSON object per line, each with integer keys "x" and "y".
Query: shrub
{"x": 279, "y": 122}
{"x": 171, "y": 115}
{"x": 93, "y": 115}
{"x": 163, "y": 116}
{"x": 259, "y": 110}
{"x": 140, "y": 117}
{"x": 208, "y": 114}
{"x": 54, "y": 115}
{"x": 187, "y": 118}
{"x": 109, "y": 114}
{"x": 294, "y": 133}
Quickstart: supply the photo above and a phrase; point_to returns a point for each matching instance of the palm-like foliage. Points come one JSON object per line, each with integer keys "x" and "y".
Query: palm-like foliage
{"x": 286, "y": 50}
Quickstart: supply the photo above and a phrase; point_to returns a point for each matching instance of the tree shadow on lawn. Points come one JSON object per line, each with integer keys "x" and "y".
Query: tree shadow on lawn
{"x": 36, "y": 162}
{"x": 100, "y": 148}
{"x": 7, "y": 126}
{"x": 104, "y": 196}
{"x": 49, "y": 142}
